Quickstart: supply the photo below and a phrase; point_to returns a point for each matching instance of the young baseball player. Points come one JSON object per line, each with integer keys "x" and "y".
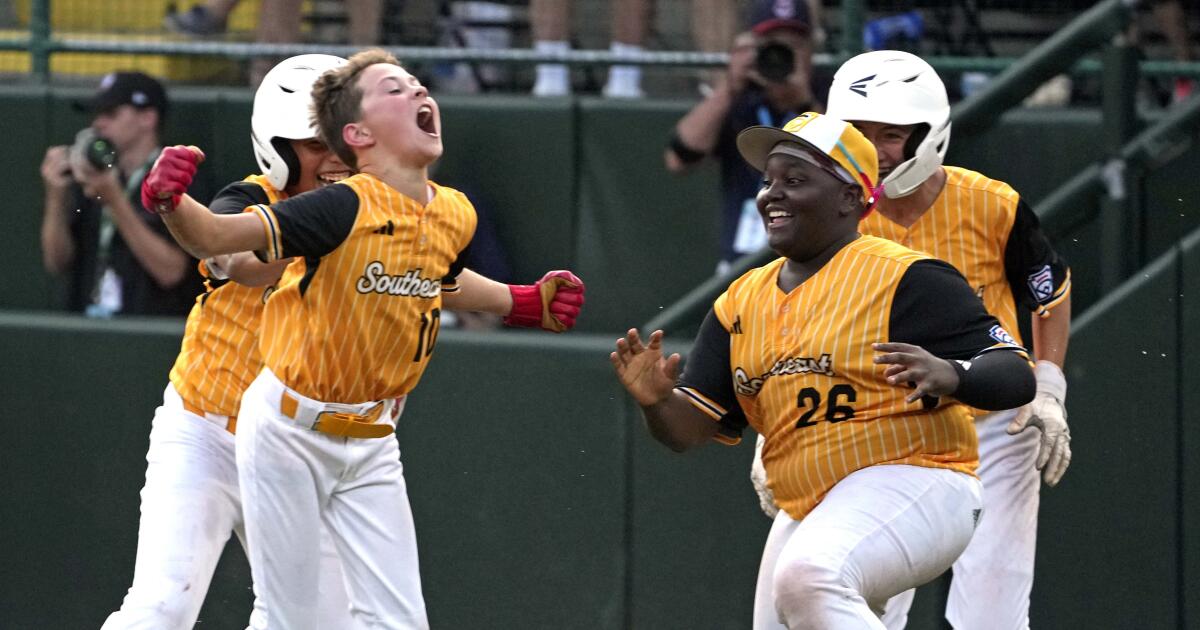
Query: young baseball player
{"x": 845, "y": 353}
{"x": 346, "y": 336}
{"x": 983, "y": 228}
{"x": 191, "y": 501}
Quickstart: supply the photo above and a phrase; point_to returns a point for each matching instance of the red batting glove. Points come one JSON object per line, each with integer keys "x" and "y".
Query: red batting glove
{"x": 169, "y": 178}
{"x": 551, "y": 303}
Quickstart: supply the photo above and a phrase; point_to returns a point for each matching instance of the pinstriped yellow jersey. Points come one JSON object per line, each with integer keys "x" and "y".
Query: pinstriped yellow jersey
{"x": 219, "y": 357}
{"x": 981, "y": 227}
{"x": 801, "y": 370}
{"x": 357, "y": 318}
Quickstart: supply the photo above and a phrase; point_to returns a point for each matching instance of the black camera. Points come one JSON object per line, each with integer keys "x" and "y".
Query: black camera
{"x": 96, "y": 150}
{"x": 775, "y": 61}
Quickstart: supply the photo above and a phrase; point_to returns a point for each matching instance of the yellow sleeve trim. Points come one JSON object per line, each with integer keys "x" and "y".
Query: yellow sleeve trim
{"x": 703, "y": 403}
{"x": 274, "y": 249}
{"x": 1064, "y": 289}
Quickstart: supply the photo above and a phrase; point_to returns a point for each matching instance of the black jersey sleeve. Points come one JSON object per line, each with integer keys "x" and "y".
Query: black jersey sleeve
{"x": 450, "y": 280}
{"x": 1038, "y": 276}
{"x": 238, "y": 196}
{"x": 936, "y": 309}
{"x": 309, "y": 225}
{"x": 707, "y": 383}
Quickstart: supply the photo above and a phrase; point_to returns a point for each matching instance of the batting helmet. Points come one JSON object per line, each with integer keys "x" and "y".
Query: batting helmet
{"x": 897, "y": 88}
{"x": 282, "y": 112}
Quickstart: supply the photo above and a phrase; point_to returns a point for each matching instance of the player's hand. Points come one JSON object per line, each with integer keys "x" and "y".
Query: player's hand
{"x": 740, "y": 71}
{"x": 102, "y": 184}
{"x": 913, "y": 366}
{"x": 642, "y": 370}
{"x": 169, "y": 178}
{"x": 56, "y": 168}
{"x": 758, "y": 477}
{"x": 552, "y": 303}
{"x": 1048, "y": 412}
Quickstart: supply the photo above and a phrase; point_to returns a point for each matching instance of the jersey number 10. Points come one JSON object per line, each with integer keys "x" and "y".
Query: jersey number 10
{"x": 431, "y": 323}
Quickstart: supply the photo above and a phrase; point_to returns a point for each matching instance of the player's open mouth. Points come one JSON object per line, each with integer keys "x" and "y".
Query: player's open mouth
{"x": 777, "y": 218}
{"x": 425, "y": 120}
{"x": 325, "y": 179}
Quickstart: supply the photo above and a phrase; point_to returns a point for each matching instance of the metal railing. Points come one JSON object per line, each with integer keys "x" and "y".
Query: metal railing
{"x": 1071, "y": 204}
{"x": 42, "y": 43}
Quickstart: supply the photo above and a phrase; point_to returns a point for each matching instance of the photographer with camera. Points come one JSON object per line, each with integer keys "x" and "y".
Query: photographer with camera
{"x": 768, "y": 82}
{"x": 117, "y": 258}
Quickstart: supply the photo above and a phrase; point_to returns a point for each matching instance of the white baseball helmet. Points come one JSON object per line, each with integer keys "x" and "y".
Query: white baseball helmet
{"x": 897, "y": 88}
{"x": 282, "y": 112}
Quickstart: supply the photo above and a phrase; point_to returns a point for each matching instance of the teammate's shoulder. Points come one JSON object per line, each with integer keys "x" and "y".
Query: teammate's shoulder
{"x": 867, "y": 246}
{"x": 967, "y": 179}
{"x": 237, "y": 196}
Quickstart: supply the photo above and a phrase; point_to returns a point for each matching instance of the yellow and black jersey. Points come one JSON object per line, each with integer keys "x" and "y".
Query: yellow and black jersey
{"x": 219, "y": 357}
{"x": 983, "y": 228}
{"x": 355, "y": 319}
{"x": 799, "y": 367}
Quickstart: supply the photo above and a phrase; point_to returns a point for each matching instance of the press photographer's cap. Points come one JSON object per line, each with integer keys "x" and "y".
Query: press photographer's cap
{"x": 126, "y": 88}
{"x": 769, "y": 15}
{"x": 832, "y": 144}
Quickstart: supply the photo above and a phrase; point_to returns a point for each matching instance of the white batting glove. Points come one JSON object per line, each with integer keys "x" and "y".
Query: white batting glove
{"x": 1048, "y": 413}
{"x": 758, "y": 477}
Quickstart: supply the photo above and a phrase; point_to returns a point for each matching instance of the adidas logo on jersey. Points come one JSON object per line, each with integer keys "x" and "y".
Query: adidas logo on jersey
{"x": 389, "y": 229}
{"x": 736, "y": 328}
{"x": 410, "y": 284}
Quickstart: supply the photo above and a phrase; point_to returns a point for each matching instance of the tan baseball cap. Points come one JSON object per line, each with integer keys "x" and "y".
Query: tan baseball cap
{"x": 828, "y": 139}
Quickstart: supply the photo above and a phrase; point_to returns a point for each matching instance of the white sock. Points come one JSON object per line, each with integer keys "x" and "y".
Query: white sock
{"x": 553, "y": 79}
{"x": 624, "y": 81}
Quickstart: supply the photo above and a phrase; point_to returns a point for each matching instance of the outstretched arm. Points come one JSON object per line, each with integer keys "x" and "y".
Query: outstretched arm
{"x": 200, "y": 232}
{"x": 246, "y": 269}
{"x": 650, "y": 379}
{"x": 480, "y": 294}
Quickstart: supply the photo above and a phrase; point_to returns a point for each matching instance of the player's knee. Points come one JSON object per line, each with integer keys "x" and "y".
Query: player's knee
{"x": 167, "y": 607}
{"x": 805, "y": 582}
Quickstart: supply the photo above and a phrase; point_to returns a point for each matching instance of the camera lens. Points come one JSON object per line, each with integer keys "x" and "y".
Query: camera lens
{"x": 97, "y": 151}
{"x": 101, "y": 153}
{"x": 775, "y": 61}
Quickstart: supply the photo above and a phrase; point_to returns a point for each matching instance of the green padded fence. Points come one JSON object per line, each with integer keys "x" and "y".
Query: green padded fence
{"x": 573, "y": 183}
{"x": 541, "y": 501}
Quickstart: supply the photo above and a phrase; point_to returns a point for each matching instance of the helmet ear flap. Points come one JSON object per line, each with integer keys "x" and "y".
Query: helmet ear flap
{"x": 291, "y": 161}
{"x": 919, "y": 132}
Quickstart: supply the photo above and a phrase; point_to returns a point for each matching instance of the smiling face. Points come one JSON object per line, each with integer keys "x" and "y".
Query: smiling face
{"x": 805, "y": 209}
{"x": 318, "y": 166}
{"x": 398, "y": 117}
{"x": 889, "y": 141}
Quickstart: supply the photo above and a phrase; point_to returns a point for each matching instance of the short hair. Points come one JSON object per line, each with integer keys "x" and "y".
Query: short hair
{"x": 337, "y": 100}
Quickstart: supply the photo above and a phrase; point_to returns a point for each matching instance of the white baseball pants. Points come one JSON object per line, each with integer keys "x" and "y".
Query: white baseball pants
{"x": 294, "y": 480}
{"x": 190, "y": 504}
{"x": 994, "y": 576}
{"x": 879, "y": 531}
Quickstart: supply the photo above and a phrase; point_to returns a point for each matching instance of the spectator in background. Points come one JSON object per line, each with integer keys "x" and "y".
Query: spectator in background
{"x": 550, "y": 22}
{"x": 117, "y": 258}
{"x": 768, "y": 82}
{"x": 278, "y": 23}
{"x": 1173, "y": 22}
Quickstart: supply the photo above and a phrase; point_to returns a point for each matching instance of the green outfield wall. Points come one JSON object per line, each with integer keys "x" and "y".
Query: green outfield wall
{"x": 541, "y": 501}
